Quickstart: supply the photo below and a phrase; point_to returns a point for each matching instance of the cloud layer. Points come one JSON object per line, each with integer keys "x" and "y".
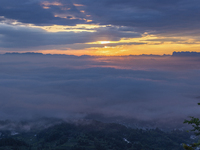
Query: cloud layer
{"x": 22, "y": 23}
{"x": 136, "y": 88}
{"x": 24, "y": 37}
{"x": 147, "y": 15}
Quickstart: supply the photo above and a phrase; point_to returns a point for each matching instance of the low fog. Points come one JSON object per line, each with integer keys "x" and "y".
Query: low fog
{"x": 151, "y": 90}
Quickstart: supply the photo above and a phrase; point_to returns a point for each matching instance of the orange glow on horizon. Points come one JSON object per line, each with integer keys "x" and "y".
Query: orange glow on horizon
{"x": 124, "y": 50}
{"x": 146, "y": 44}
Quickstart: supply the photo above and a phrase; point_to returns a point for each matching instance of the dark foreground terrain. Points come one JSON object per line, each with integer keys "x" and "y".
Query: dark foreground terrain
{"x": 93, "y": 136}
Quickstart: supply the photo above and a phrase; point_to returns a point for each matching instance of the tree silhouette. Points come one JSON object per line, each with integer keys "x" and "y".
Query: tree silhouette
{"x": 195, "y": 122}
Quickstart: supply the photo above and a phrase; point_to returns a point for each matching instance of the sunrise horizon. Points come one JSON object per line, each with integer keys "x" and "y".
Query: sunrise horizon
{"x": 109, "y": 65}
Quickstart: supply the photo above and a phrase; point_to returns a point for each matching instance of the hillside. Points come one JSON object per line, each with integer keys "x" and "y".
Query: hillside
{"x": 93, "y": 136}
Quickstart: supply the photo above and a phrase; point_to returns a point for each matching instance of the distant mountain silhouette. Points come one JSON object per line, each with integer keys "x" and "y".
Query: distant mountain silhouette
{"x": 177, "y": 54}
{"x": 27, "y": 53}
{"x": 187, "y": 53}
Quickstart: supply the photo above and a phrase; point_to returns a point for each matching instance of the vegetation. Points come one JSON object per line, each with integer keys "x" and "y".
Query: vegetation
{"x": 94, "y": 136}
{"x": 195, "y": 122}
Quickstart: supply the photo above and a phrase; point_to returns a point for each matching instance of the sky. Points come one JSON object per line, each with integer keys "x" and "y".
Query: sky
{"x": 119, "y": 63}
{"x": 103, "y": 27}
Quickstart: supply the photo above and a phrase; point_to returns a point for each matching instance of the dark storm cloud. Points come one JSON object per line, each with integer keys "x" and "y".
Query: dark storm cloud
{"x": 23, "y": 37}
{"x": 77, "y": 87}
{"x": 32, "y": 11}
{"x": 147, "y": 15}
{"x": 124, "y": 19}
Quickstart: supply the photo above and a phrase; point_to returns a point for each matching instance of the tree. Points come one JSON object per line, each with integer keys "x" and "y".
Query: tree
{"x": 195, "y": 122}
